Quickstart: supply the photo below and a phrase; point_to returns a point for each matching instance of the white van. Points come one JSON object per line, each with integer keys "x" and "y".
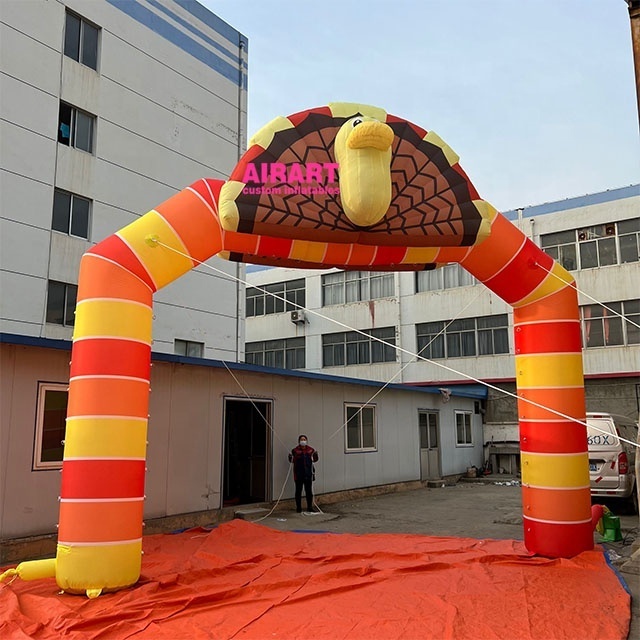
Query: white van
{"x": 611, "y": 460}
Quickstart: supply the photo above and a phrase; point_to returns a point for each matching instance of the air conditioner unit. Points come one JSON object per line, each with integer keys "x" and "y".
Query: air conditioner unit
{"x": 297, "y": 316}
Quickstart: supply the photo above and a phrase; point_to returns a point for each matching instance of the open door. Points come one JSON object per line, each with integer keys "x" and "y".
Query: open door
{"x": 246, "y": 444}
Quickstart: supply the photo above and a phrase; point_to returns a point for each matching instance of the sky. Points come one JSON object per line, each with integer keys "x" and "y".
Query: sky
{"x": 537, "y": 97}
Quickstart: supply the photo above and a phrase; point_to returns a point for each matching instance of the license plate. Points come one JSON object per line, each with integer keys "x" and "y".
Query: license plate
{"x": 593, "y": 466}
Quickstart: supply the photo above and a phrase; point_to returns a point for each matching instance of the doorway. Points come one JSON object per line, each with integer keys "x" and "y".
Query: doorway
{"x": 429, "y": 426}
{"x": 245, "y": 468}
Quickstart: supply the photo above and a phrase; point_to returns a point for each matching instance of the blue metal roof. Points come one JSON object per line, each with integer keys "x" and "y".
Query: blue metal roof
{"x": 609, "y": 195}
{"x": 462, "y": 390}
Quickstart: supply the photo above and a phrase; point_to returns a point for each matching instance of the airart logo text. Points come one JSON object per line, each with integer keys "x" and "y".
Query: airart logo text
{"x": 307, "y": 179}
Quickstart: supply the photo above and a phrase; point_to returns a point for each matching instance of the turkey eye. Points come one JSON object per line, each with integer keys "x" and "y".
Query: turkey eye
{"x": 356, "y": 122}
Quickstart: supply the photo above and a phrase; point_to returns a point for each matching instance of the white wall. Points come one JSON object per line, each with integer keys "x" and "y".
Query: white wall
{"x": 165, "y": 119}
{"x": 609, "y": 283}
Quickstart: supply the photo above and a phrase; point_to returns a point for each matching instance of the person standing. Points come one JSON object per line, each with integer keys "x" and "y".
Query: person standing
{"x": 303, "y": 457}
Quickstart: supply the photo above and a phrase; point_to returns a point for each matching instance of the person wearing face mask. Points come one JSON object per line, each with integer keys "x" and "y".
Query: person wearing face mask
{"x": 303, "y": 457}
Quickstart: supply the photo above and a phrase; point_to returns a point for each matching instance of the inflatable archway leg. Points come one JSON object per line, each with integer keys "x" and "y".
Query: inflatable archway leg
{"x": 103, "y": 471}
{"x": 555, "y": 465}
{"x": 555, "y": 462}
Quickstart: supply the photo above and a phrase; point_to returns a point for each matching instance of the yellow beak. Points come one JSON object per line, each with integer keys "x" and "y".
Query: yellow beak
{"x": 364, "y": 155}
{"x": 371, "y": 135}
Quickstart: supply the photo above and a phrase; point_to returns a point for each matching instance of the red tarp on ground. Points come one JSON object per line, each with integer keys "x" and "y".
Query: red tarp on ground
{"x": 245, "y": 580}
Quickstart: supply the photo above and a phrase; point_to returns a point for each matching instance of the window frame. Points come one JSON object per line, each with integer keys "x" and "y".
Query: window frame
{"x": 73, "y": 197}
{"x": 454, "y": 333}
{"x": 464, "y": 414}
{"x": 361, "y": 407}
{"x": 572, "y": 247}
{"x": 347, "y": 287}
{"x": 627, "y": 234}
{"x": 605, "y": 321}
{"x": 66, "y": 311}
{"x": 285, "y": 348}
{"x": 187, "y": 345}
{"x": 449, "y": 276}
{"x": 38, "y": 464}
{"x": 81, "y": 40}
{"x": 352, "y": 344}
{"x": 259, "y": 302}
{"x": 461, "y": 338}
{"x": 627, "y": 327}
{"x": 73, "y": 128}
{"x": 493, "y": 332}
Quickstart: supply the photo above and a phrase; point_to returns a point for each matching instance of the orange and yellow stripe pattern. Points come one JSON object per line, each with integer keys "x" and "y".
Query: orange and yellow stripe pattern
{"x": 103, "y": 473}
{"x": 548, "y": 357}
{"x": 102, "y": 492}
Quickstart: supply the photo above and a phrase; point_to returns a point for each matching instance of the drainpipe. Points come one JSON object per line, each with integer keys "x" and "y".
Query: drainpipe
{"x": 634, "y": 20}
{"x": 241, "y": 102}
{"x": 397, "y": 277}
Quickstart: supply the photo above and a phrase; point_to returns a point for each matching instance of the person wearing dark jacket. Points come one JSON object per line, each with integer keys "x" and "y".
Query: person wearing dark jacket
{"x": 303, "y": 457}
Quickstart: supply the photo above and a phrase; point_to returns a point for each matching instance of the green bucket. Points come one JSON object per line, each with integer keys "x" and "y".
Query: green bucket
{"x": 612, "y": 531}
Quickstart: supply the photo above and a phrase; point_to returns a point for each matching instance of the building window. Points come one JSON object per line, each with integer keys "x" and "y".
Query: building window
{"x": 355, "y": 286}
{"x": 282, "y": 354}
{"x": 493, "y": 334}
{"x": 71, "y": 214}
{"x": 460, "y": 338}
{"x": 631, "y": 310}
{"x": 602, "y": 328}
{"x": 629, "y": 240}
{"x": 448, "y": 277}
{"x": 596, "y": 246}
{"x": 188, "y": 348}
{"x": 561, "y": 247}
{"x": 428, "y": 422}
{"x": 352, "y": 347}
{"x": 430, "y": 337}
{"x": 466, "y": 337}
{"x": 463, "y": 429}
{"x": 75, "y": 128}
{"x": 291, "y": 296}
{"x": 50, "y": 425}
{"x": 81, "y": 41}
{"x": 61, "y": 303}
{"x": 361, "y": 427}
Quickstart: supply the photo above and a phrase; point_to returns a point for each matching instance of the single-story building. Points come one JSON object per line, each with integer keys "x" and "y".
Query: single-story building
{"x": 219, "y": 433}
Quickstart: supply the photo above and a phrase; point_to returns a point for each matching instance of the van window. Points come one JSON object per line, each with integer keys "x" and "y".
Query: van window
{"x": 612, "y": 425}
{"x": 628, "y": 431}
{"x": 601, "y": 433}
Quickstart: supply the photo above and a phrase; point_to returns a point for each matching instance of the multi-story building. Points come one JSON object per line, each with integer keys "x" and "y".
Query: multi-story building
{"x": 444, "y": 329}
{"x": 108, "y": 108}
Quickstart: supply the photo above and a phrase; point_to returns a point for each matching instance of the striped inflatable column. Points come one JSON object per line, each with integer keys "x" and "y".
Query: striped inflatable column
{"x": 555, "y": 469}
{"x": 555, "y": 462}
{"x": 103, "y": 471}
